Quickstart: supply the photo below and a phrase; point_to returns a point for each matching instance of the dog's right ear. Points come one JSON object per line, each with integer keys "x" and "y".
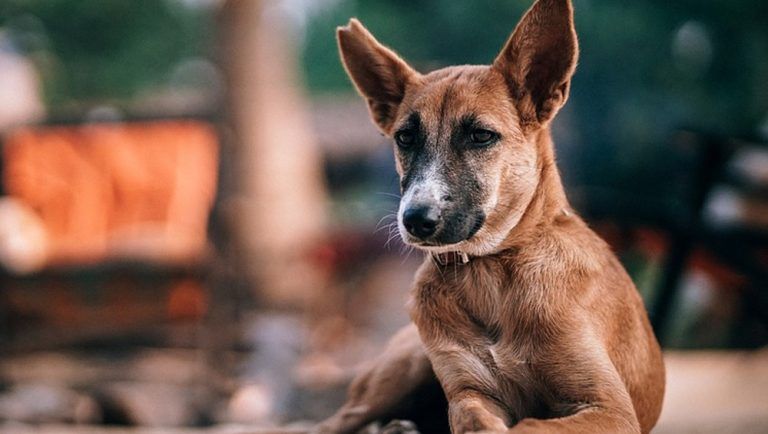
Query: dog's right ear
{"x": 377, "y": 72}
{"x": 539, "y": 60}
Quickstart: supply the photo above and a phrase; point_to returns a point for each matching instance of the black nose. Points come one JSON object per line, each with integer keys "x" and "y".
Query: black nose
{"x": 421, "y": 222}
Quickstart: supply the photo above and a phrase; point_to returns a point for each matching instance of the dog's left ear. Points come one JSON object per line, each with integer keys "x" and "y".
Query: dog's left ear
{"x": 539, "y": 60}
{"x": 379, "y": 74}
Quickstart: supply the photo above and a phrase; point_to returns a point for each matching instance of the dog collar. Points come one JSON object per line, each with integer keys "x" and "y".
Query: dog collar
{"x": 448, "y": 258}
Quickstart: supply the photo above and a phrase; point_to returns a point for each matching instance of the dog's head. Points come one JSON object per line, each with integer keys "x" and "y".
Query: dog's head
{"x": 465, "y": 136}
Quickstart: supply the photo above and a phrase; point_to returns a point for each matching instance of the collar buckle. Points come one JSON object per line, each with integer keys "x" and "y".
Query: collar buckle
{"x": 448, "y": 258}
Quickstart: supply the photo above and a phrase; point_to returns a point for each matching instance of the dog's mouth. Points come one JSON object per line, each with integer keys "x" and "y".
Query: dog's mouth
{"x": 451, "y": 235}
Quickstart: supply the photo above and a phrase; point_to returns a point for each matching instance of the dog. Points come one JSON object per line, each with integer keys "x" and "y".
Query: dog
{"x": 522, "y": 314}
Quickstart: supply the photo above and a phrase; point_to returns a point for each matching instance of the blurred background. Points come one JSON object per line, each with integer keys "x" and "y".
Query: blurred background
{"x": 196, "y": 213}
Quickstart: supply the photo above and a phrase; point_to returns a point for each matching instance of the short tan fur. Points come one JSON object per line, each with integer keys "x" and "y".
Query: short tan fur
{"x": 543, "y": 330}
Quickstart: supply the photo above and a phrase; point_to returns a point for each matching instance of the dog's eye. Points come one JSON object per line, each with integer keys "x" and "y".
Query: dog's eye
{"x": 482, "y": 137}
{"x": 405, "y": 139}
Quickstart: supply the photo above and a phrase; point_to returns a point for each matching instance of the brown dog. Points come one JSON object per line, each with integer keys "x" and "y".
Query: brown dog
{"x": 522, "y": 313}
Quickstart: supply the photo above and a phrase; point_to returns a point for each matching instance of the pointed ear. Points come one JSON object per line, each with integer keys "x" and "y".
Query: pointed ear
{"x": 377, "y": 72}
{"x": 539, "y": 59}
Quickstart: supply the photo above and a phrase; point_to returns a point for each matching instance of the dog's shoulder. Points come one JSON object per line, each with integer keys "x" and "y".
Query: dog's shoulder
{"x": 565, "y": 246}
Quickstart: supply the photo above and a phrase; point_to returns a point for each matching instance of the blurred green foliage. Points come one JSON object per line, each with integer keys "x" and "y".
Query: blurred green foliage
{"x": 104, "y": 50}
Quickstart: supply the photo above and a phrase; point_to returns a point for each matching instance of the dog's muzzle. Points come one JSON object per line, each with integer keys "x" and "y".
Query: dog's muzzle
{"x": 429, "y": 225}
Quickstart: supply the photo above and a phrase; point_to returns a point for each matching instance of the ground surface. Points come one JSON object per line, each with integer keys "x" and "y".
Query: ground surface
{"x": 707, "y": 392}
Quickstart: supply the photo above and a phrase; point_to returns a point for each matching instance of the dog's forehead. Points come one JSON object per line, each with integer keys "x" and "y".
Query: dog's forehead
{"x": 453, "y": 93}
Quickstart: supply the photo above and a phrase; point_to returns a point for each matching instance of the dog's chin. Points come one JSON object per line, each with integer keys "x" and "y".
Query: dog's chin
{"x": 427, "y": 245}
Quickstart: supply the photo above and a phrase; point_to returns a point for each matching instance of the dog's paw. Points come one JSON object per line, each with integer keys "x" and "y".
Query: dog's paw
{"x": 400, "y": 427}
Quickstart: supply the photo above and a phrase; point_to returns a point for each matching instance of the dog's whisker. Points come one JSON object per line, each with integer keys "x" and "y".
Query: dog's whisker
{"x": 408, "y": 252}
{"x": 393, "y": 234}
{"x": 387, "y": 244}
{"x": 396, "y": 196}
{"x": 380, "y": 224}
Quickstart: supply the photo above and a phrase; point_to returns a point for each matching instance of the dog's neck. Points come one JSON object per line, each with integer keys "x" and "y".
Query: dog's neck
{"x": 548, "y": 203}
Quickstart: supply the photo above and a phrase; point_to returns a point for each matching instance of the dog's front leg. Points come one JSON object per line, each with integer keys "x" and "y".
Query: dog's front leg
{"x": 592, "y": 420}
{"x": 471, "y": 411}
{"x": 593, "y": 397}
{"x": 584, "y": 376}
{"x": 466, "y": 382}
{"x": 384, "y": 386}
{"x": 588, "y": 421}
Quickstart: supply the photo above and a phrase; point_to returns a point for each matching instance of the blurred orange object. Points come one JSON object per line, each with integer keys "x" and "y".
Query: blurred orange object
{"x": 139, "y": 191}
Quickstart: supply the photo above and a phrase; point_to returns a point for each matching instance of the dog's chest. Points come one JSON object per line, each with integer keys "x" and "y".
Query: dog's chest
{"x": 511, "y": 360}
{"x": 500, "y": 309}
{"x": 499, "y": 322}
